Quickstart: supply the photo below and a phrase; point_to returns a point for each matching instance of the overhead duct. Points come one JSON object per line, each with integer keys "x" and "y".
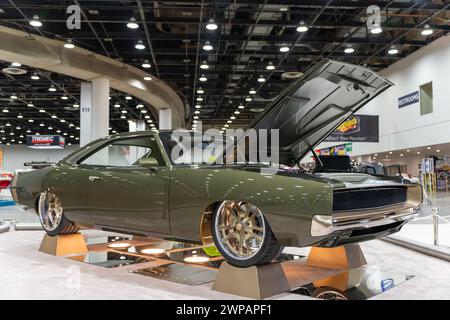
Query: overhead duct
{"x": 48, "y": 54}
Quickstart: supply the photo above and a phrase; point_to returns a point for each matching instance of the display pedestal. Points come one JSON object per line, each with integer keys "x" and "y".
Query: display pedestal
{"x": 257, "y": 282}
{"x": 64, "y": 245}
{"x": 344, "y": 257}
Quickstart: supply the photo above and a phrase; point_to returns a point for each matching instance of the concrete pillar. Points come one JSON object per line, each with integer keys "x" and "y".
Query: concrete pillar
{"x": 165, "y": 119}
{"x": 94, "y": 109}
{"x": 136, "y": 125}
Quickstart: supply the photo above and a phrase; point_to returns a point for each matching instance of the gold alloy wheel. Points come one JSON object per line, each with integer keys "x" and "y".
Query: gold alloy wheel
{"x": 50, "y": 211}
{"x": 240, "y": 228}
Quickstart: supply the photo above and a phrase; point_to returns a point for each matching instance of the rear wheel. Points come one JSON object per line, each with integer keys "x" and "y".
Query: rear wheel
{"x": 51, "y": 215}
{"x": 242, "y": 234}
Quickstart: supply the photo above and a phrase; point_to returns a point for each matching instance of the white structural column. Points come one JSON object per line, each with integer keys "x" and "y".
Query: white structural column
{"x": 136, "y": 125}
{"x": 165, "y": 119}
{"x": 94, "y": 110}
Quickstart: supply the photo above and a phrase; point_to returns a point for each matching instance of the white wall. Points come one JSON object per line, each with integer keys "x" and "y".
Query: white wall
{"x": 406, "y": 128}
{"x": 14, "y": 156}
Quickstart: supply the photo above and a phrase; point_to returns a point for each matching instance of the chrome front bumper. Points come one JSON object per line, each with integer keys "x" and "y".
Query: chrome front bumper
{"x": 323, "y": 225}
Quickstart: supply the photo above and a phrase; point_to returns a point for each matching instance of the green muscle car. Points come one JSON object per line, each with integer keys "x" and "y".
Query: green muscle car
{"x": 131, "y": 182}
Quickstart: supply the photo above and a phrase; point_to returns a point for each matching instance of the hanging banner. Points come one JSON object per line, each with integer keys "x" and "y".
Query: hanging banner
{"x": 357, "y": 128}
{"x": 45, "y": 142}
{"x": 339, "y": 150}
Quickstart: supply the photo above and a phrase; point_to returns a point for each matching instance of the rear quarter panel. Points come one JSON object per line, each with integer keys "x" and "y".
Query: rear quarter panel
{"x": 26, "y": 187}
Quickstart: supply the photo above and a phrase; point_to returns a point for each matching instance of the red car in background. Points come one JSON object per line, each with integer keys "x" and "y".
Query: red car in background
{"x": 5, "y": 179}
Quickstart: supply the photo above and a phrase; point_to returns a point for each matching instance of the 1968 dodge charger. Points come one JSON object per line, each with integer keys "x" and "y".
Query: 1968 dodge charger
{"x": 130, "y": 182}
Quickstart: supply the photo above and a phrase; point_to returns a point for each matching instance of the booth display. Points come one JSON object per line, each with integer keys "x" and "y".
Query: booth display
{"x": 121, "y": 182}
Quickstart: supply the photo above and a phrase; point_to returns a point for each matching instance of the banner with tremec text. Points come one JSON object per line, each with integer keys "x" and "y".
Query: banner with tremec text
{"x": 45, "y": 141}
{"x": 357, "y": 128}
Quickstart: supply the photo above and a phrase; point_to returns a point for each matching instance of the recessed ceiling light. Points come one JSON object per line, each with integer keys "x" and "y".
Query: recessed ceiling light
{"x": 16, "y": 64}
{"x": 41, "y": 110}
{"x": 376, "y": 30}
{"x": 128, "y": 98}
{"x": 50, "y": 128}
{"x": 236, "y": 112}
{"x": 261, "y": 79}
{"x": 270, "y": 66}
{"x": 132, "y": 24}
{"x": 124, "y": 111}
{"x": 76, "y": 105}
{"x": 139, "y": 45}
{"x": 123, "y": 117}
{"x": 69, "y": 44}
{"x": 408, "y": 150}
{"x": 199, "y": 99}
{"x": 284, "y": 48}
{"x": 229, "y": 121}
{"x": 146, "y": 64}
{"x": 41, "y": 125}
{"x": 252, "y": 91}
{"x": 35, "y": 76}
{"x": 207, "y": 46}
{"x": 52, "y": 88}
{"x": 195, "y": 117}
{"x": 117, "y": 105}
{"x": 13, "y": 97}
{"x": 64, "y": 97}
{"x": 438, "y": 150}
{"x": 5, "y": 110}
{"x": 248, "y": 99}
{"x": 211, "y": 25}
{"x": 427, "y": 30}
{"x": 203, "y": 78}
{"x": 418, "y": 152}
{"x": 196, "y": 112}
{"x": 20, "y": 116}
{"x": 349, "y": 50}
{"x": 241, "y": 106}
{"x": 144, "y": 111}
{"x": 35, "y": 22}
{"x": 30, "y": 120}
{"x": 54, "y": 116}
{"x": 204, "y": 65}
{"x": 393, "y": 50}
{"x": 148, "y": 78}
{"x": 200, "y": 91}
{"x": 197, "y": 106}
{"x": 139, "y": 106}
{"x": 62, "y": 120}
{"x": 302, "y": 27}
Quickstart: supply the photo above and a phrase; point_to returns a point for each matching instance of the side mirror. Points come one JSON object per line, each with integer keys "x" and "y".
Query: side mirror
{"x": 148, "y": 162}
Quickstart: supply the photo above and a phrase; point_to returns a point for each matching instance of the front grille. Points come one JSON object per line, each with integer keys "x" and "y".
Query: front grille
{"x": 359, "y": 199}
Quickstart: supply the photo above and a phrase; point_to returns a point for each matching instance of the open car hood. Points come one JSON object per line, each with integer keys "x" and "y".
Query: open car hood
{"x": 316, "y": 104}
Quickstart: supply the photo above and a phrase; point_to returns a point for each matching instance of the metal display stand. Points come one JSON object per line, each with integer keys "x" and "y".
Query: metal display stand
{"x": 257, "y": 282}
{"x": 263, "y": 281}
{"x": 64, "y": 245}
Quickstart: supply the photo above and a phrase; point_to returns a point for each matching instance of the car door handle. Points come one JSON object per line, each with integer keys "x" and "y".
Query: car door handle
{"x": 94, "y": 178}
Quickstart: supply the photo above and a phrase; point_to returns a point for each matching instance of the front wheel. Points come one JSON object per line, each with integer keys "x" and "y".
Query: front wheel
{"x": 242, "y": 234}
{"x": 51, "y": 216}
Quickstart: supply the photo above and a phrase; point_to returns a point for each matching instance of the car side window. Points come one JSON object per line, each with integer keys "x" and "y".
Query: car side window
{"x": 126, "y": 153}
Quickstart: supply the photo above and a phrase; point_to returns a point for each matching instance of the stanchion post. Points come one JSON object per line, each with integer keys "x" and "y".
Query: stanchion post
{"x": 435, "y": 226}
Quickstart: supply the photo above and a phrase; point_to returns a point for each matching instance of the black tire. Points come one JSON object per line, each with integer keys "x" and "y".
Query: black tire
{"x": 64, "y": 227}
{"x": 269, "y": 249}
{"x": 330, "y": 293}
